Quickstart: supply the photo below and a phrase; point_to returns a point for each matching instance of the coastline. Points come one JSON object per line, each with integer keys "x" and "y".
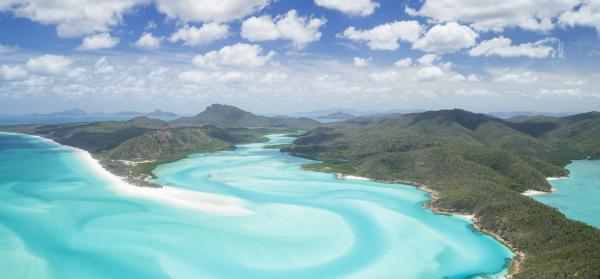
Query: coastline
{"x": 530, "y": 193}
{"x": 515, "y": 264}
{"x": 182, "y": 198}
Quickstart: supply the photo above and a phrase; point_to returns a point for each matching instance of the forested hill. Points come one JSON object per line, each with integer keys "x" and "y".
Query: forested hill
{"x": 478, "y": 164}
{"x": 225, "y": 116}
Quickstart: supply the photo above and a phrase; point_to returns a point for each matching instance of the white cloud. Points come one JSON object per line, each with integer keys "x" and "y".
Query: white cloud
{"x": 194, "y": 36}
{"x": 300, "y": 30}
{"x": 428, "y": 59}
{"x": 587, "y": 15}
{"x": 148, "y": 41}
{"x": 472, "y": 78}
{"x": 49, "y": 64}
{"x": 76, "y": 73}
{"x": 385, "y": 77}
{"x": 204, "y": 78}
{"x": 502, "y": 46}
{"x": 274, "y": 77}
{"x": 98, "y": 41}
{"x": 446, "y": 38}
{"x": 496, "y": 16}
{"x": 523, "y": 78}
{"x": 12, "y": 72}
{"x": 430, "y": 73}
{"x": 150, "y": 25}
{"x": 385, "y": 36}
{"x": 361, "y": 62}
{"x": 403, "y": 63}
{"x": 103, "y": 67}
{"x": 354, "y": 7}
{"x": 238, "y": 55}
{"x": 73, "y": 18}
{"x": 209, "y": 10}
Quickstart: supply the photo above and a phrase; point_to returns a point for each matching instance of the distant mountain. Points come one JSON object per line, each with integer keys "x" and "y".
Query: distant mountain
{"x": 69, "y": 112}
{"x": 160, "y": 113}
{"x": 315, "y": 114}
{"x": 337, "y": 115}
{"x": 225, "y": 116}
{"x": 514, "y": 114}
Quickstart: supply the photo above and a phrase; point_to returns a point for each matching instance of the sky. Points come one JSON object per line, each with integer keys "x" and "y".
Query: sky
{"x": 282, "y": 56}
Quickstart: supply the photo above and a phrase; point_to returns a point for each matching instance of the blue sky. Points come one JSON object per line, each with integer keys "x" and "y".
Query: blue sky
{"x": 288, "y": 56}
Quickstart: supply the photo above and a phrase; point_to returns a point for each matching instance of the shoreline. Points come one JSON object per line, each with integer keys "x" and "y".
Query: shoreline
{"x": 181, "y": 198}
{"x": 515, "y": 264}
{"x": 530, "y": 193}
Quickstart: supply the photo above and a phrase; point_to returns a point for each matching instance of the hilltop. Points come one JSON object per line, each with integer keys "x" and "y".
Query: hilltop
{"x": 225, "y": 116}
{"x": 337, "y": 115}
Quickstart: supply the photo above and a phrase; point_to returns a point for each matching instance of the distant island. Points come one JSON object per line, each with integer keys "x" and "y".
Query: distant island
{"x": 470, "y": 163}
{"x": 337, "y": 115}
{"x": 79, "y": 112}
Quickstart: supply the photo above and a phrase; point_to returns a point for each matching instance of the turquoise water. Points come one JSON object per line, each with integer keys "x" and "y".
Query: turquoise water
{"x": 578, "y": 196}
{"x": 59, "y": 219}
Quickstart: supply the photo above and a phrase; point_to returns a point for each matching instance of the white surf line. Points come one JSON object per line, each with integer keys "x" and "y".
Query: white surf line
{"x": 530, "y": 193}
{"x": 183, "y": 198}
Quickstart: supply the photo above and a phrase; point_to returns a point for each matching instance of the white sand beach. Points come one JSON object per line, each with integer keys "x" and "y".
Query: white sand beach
{"x": 194, "y": 200}
{"x": 211, "y": 203}
{"x": 552, "y": 178}
{"x": 345, "y": 176}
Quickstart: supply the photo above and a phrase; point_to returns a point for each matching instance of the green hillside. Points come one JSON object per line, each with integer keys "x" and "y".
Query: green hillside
{"x": 479, "y": 165}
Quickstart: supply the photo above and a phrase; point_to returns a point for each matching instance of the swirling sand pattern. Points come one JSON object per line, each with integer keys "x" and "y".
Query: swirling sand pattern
{"x": 59, "y": 219}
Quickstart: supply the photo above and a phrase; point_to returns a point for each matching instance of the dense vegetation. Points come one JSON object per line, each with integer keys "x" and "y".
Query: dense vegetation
{"x": 477, "y": 164}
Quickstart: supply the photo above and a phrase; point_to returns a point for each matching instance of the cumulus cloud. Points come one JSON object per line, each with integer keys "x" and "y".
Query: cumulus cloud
{"x": 274, "y": 77}
{"x": 586, "y": 15}
{"x": 148, "y": 41}
{"x": 98, "y": 41}
{"x": 446, "y": 38}
{"x": 429, "y": 73}
{"x": 12, "y": 72}
{"x": 385, "y": 36}
{"x": 496, "y": 16}
{"x": 203, "y": 77}
{"x": 209, "y": 10}
{"x": 428, "y": 59}
{"x": 103, "y": 67}
{"x": 72, "y": 18}
{"x": 526, "y": 77}
{"x": 403, "y": 63}
{"x": 472, "y": 78}
{"x": 49, "y": 64}
{"x": 300, "y": 30}
{"x": 385, "y": 77}
{"x": 238, "y": 55}
{"x": 194, "y": 36}
{"x": 502, "y": 46}
{"x": 361, "y": 62}
{"x": 354, "y": 7}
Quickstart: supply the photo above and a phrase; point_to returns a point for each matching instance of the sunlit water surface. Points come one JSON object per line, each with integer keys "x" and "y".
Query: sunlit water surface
{"x": 59, "y": 219}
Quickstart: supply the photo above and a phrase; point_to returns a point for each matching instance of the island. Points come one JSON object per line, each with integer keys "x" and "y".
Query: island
{"x": 337, "y": 115}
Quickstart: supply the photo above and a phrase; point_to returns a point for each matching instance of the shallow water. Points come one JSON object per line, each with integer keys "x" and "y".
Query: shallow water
{"x": 578, "y": 196}
{"x": 59, "y": 219}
